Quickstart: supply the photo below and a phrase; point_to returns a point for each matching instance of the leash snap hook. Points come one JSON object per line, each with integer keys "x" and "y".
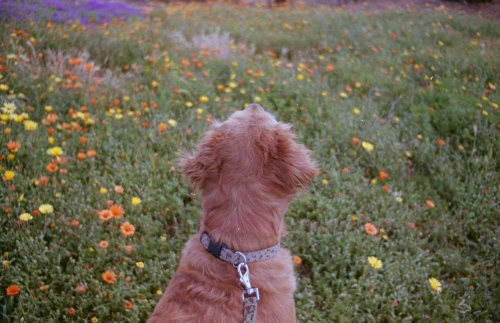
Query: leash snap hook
{"x": 244, "y": 275}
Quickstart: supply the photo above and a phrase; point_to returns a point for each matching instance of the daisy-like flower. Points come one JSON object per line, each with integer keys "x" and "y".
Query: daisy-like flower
{"x": 13, "y": 290}
{"x": 25, "y": 217}
{"x": 9, "y": 175}
{"x": 46, "y": 208}
{"x": 127, "y": 229}
{"x": 109, "y": 277}
{"x": 30, "y": 125}
{"x": 136, "y": 201}
{"x": 367, "y": 146}
{"x": 435, "y": 284}
{"x": 371, "y": 229}
{"x": 375, "y": 262}
{"x": 139, "y": 264}
{"x": 55, "y": 151}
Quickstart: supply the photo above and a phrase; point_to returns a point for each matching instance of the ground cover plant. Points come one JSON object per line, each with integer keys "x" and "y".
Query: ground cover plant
{"x": 400, "y": 109}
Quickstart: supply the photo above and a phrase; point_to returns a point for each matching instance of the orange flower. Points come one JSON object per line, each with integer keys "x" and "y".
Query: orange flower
{"x": 297, "y": 260}
{"x": 127, "y": 229}
{"x": 441, "y": 142}
{"x": 13, "y": 290}
{"x": 129, "y": 248}
{"x": 109, "y": 277}
{"x": 52, "y": 168}
{"x": 383, "y": 175}
{"x": 330, "y": 68}
{"x": 75, "y": 223}
{"x": 119, "y": 189}
{"x": 117, "y": 211}
{"x": 103, "y": 244}
{"x": 13, "y": 146}
{"x": 80, "y": 288}
{"x": 162, "y": 127}
{"x": 386, "y": 189}
{"x": 128, "y": 305}
{"x": 81, "y": 155}
{"x": 83, "y": 140}
{"x": 370, "y": 229}
{"x": 430, "y": 204}
{"x": 91, "y": 153}
{"x": 355, "y": 140}
{"x": 105, "y": 215}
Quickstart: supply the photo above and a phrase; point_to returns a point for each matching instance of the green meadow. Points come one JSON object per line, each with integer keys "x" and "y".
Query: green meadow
{"x": 399, "y": 108}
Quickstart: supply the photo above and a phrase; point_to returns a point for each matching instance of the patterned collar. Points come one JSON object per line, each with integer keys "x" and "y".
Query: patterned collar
{"x": 221, "y": 251}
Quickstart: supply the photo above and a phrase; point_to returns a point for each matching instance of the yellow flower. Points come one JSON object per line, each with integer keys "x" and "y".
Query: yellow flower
{"x": 30, "y": 125}
{"x": 435, "y": 284}
{"x": 325, "y": 182}
{"x": 94, "y": 319}
{"x": 300, "y": 77}
{"x": 48, "y": 108}
{"x": 4, "y": 87}
{"x": 203, "y": 99}
{"x": 343, "y": 95}
{"x": 172, "y": 122}
{"x": 232, "y": 85}
{"x": 159, "y": 292}
{"x": 55, "y": 151}
{"x": 136, "y": 201}
{"x": 375, "y": 262}
{"x": 46, "y": 208}
{"x": 139, "y": 264}
{"x": 155, "y": 84}
{"x": 367, "y": 146}
{"x": 188, "y": 104}
{"x": 356, "y": 111}
{"x": 103, "y": 190}
{"x": 9, "y": 175}
{"x": 25, "y": 217}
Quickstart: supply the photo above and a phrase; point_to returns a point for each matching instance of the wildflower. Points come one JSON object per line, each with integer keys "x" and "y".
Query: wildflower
{"x": 105, "y": 215}
{"x": 129, "y": 248}
{"x": 383, "y": 175}
{"x": 155, "y": 84}
{"x": 297, "y": 260}
{"x": 55, "y": 151}
{"x": 203, "y": 99}
{"x": 300, "y": 77}
{"x": 109, "y": 277}
{"x": 80, "y": 288}
{"x": 430, "y": 204}
{"x": 91, "y": 153}
{"x": 343, "y": 95}
{"x": 435, "y": 284}
{"x": 356, "y": 111}
{"x": 375, "y": 262}
{"x": 136, "y": 201}
{"x": 46, "y": 208}
{"x": 159, "y": 292}
{"x": 172, "y": 122}
{"x": 128, "y": 305}
{"x": 117, "y": 211}
{"x": 118, "y": 189}
{"x": 30, "y": 125}
{"x": 103, "y": 190}
{"x": 25, "y": 217}
{"x": 325, "y": 182}
{"x": 367, "y": 146}
{"x": 52, "y": 168}
{"x": 71, "y": 311}
{"x": 441, "y": 142}
{"x": 13, "y": 290}
{"x": 13, "y": 146}
{"x": 94, "y": 319}
{"x": 330, "y": 68}
{"x": 355, "y": 140}
{"x": 127, "y": 229}
{"x": 9, "y": 175}
{"x": 139, "y": 264}
{"x": 162, "y": 127}
{"x": 9, "y": 108}
{"x": 103, "y": 244}
{"x": 371, "y": 229}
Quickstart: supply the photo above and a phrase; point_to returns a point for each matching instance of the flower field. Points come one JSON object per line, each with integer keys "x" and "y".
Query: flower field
{"x": 399, "y": 108}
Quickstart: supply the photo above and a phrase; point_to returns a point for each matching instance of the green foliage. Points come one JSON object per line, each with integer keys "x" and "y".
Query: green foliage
{"x": 411, "y": 94}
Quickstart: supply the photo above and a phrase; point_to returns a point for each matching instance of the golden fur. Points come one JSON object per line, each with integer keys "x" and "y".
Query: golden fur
{"x": 248, "y": 170}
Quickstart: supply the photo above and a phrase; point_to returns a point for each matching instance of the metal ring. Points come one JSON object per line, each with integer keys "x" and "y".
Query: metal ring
{"x": 241, "y": 254}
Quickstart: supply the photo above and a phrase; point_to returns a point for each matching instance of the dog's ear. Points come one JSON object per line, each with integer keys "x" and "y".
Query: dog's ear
{"x": 295, "y": 167}
{"x": 204, "y": 163}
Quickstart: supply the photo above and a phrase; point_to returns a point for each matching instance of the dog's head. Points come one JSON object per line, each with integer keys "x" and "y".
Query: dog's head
{"x": 250, "y": 150}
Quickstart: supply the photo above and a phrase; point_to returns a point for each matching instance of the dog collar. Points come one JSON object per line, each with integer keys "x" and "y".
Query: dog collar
{"x": 221, "y": 251}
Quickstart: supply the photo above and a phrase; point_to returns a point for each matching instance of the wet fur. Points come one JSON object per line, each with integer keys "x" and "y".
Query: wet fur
{"x": 248, "y": 170}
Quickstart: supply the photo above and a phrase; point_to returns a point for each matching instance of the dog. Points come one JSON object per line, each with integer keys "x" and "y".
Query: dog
{"x": 248, "y": 169}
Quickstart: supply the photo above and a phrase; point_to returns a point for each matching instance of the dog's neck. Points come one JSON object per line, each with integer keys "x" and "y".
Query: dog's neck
{"x": 244, "y": 225}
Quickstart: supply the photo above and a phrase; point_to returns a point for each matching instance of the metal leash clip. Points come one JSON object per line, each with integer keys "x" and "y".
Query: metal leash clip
{"x": 244, "y": 274}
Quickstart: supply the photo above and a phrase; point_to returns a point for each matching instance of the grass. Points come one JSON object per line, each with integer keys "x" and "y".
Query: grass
{"x": 410, "y": 94}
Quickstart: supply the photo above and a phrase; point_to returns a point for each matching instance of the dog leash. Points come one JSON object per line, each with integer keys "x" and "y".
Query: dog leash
{"x": 239, "y": 260}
